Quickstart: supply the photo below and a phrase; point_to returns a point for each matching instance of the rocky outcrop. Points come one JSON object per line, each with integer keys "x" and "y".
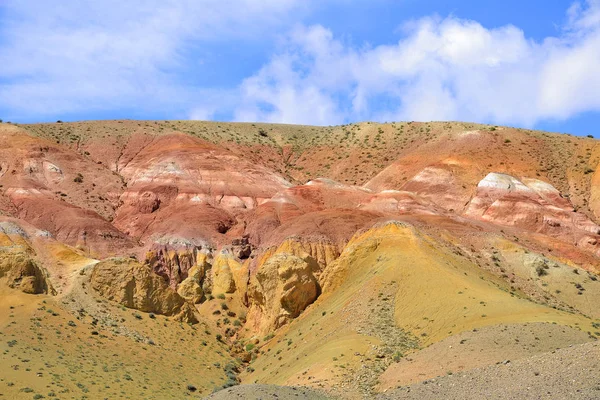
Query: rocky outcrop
{"x": 228, "y": 274}
{"x": 191, "y": 269}
{"x": 241, "y": 248}
{"x": 173, "y": 258}
{"x": 134, "y": 285}
{"x": 318, "y": 253}
{"x": 281, "y": 289}
{"x": 191, "y": 287}
{"x": 17, "y": 263}
{"x": 23, "y": 273}
{"x": 194, "y": 286}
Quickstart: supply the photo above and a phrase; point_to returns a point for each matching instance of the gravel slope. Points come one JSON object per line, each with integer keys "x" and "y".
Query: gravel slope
{"x": 570, "y": 373}
{"x": 267, "y": 392}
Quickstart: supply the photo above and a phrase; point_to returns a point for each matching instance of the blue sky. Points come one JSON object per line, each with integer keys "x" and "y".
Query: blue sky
{"x": 533, "y": 64}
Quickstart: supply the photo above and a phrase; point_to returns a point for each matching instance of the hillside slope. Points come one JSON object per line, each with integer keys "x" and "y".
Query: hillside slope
{"x": 347, "y": 259}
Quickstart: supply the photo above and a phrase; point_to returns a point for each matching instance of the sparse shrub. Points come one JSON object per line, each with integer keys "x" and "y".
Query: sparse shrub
{"x": 221, "y": 296}
{"x": 397, "y": 356}
{"x": 191, "y": 388}
{"x": 231, "y": 371}
{"x": 268, "y": 337}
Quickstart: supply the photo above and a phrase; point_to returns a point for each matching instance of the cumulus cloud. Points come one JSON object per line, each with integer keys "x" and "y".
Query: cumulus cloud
{"x": 78, "y": 55}
{"x": 441, "y": 69}
{"x": 140, "y": 57}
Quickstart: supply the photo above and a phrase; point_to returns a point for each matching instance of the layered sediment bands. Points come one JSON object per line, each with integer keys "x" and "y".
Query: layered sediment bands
{"x": 322, "y": 208}
{"x": 532, "y": 205}
{"x": 77, "y": 227}
{"x": 58, "y": 190}
{"x": 395, "y": 202}
{"x": 134, "y": 285}
{"x": 183, "y": 186}
{"x": 445, "y": 184}
{"x": 13, "y": 237}
{"x": 281, "y": 289}
{"x": 318, "y": 255}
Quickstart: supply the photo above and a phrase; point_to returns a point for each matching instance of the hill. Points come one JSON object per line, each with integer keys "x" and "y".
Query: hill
{"x": 351, "y": 259}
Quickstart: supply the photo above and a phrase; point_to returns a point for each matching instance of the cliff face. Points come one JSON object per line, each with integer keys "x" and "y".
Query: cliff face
{"x": 281, "y": 289}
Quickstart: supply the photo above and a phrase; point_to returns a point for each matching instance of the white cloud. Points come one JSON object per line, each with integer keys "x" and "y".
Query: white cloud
{"x": 86, "y": 55}
{"x": 280, "y": 91}
{"x": 583, "y": 16}
{"x": 442, "y": 69}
